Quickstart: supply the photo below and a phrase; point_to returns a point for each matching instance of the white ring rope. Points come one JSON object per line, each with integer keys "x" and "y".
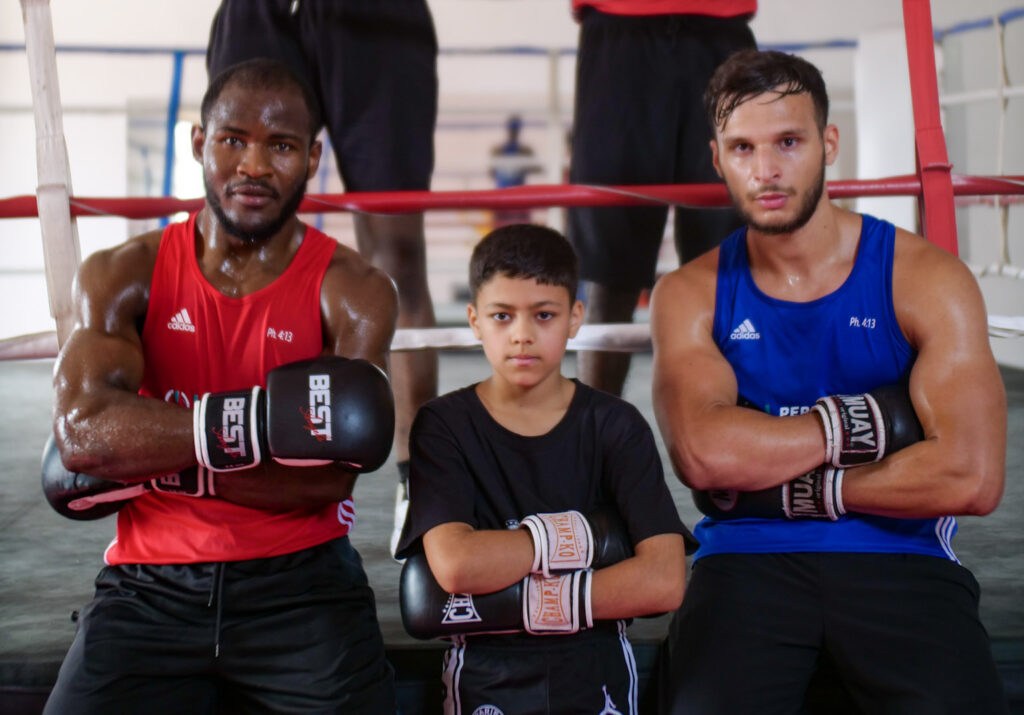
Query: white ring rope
{"x": 1005, "y": 326}
{"x": 609, "y": 337}
{"x": 614, "y": 337}
{"x": 998, "y": 269}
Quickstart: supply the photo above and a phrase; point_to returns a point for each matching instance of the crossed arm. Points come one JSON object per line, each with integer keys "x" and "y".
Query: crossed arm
{"x": 106, "y": 429}
{"x": 463, "y": 560}
{"x": 955, "y": 388}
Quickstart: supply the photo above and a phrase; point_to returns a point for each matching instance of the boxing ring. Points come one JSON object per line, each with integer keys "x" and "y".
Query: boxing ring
{"x": 936, "y": 187}
{"x": 592, "y": 337}
{"x": 934, "y": 184}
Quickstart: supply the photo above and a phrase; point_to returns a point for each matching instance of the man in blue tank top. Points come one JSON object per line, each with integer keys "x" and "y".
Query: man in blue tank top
{"x": 824, "y": 383}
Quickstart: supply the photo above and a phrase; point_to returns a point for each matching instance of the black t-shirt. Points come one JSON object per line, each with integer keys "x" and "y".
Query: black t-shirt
{"x": 465, "y": 467}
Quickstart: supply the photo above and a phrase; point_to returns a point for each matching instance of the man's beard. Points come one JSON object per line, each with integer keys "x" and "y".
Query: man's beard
{"x": 259, "y": 233}
{"x": 808, "y": 205}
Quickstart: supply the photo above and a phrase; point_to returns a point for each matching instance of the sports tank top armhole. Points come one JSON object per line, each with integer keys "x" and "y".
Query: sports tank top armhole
{"x": 313, "y": 256}
{"x": 169, "y": 252}
{"x": 732, "y": 261}
{"x": 887, "y": 251}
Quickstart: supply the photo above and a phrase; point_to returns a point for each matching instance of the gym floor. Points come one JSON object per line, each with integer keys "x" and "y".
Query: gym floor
{"x": 49, "y": 562}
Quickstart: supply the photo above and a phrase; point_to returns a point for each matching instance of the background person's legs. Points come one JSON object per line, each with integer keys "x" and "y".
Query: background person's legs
{"x": 396, "y": 245}
{"x": 605, "y": 304}
{"x": 380, "y": 105}
{"x": 639, "y": 119}
{"x": 622, "y": 134}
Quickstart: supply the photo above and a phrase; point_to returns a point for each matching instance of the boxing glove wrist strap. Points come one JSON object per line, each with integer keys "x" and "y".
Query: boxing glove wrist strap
{"x": 562, "y": 541}
{"x": 192, "y": 482}
{"x": 227, "y": 427}
{"x": 854, "y": 429}
{"x": 815, "y": 495}
{"x": 558, "y": 605}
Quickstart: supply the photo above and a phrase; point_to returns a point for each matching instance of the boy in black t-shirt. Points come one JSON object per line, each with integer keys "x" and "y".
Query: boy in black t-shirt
{"x": 537, "y": 500}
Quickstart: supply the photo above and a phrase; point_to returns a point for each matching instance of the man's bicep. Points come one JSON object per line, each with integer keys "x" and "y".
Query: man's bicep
{"x": 955, "y": 385}
{"x": 359, "y": 316}
{"x": 690, "y": 374}
{"x": 92, "y": 361}
{"x": 104, "y": 350}
{"x": 689, "y": 369}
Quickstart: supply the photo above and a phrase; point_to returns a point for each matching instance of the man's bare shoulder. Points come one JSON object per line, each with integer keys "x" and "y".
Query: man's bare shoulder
{"x": 929, "y": 268}
{"x": 124, "y": 263}
{"x": 359, "y": 304}
{"x": 930, "y": 286}
{"x": 694, "y": 280}
{"x": 911, "y": 248}
{"x": 348, "y": 268}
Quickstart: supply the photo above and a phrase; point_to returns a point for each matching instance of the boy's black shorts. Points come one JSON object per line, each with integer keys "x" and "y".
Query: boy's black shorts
{"x": 373, "y": 65}
{"x": 901, "y": 629}
{"x": 293, "y": 633}
{"x": 639, "y": 119}
{"x": 589, "y": 672}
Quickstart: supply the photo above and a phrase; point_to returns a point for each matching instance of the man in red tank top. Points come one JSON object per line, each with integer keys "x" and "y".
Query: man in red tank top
{"x": 225, "y": 590}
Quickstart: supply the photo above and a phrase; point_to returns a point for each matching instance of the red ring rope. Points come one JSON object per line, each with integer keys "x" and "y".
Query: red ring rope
{"x": 519, "y": 197}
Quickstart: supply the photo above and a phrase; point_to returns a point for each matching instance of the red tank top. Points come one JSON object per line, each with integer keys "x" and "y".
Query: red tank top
{"x": 715, "y": 8}
{"x": 195, "y": 340}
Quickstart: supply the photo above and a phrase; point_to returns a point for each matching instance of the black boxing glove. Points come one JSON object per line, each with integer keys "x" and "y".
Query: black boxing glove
{"x": 568, "y": 540}
{"x": 860, "y": 429}
{"x": 612, "y": 543}
{"x": 815, "y": 495}
{"x": 330, "y": 409}
{"x": 556, "y": 605}
{"x": 317, "y": 411}
{"x": 85, "y": 498}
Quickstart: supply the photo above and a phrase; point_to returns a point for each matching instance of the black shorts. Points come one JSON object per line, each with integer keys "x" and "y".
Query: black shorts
{"x": 373, "y": 65}
{"x": 639, "y": 119}
{"x": 901, "y": 630}
{"x": 293, "y": 633}
{"x": 589, "y": 672}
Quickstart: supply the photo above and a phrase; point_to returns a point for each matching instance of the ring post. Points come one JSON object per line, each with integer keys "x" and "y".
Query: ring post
{"x": 938, "y": 215}
{"x": 61, "y": 252}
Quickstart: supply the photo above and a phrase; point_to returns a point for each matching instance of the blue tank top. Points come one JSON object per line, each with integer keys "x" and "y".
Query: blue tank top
{"x": 785, "y": 356}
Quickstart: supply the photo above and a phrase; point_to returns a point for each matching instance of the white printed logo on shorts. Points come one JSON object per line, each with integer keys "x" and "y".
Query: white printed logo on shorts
{"x": 488, "y": 710}
{"x": 745, "y": 331}
{"x": 460, "y": 609}
{"x": 609, "y": 704}
{"x": 182, "y": 322}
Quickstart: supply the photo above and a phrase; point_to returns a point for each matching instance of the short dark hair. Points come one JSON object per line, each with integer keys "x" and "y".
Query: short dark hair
{"x": 749, "y": 73}
{"x": 524, "y": 250}
{"x": 261, "y": 74}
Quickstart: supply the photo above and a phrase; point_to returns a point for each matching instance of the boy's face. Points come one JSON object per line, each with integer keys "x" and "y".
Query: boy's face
{"x": 524, "y": 326}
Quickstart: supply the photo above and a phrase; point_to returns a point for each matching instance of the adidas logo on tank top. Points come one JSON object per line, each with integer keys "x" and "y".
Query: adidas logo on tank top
{"x": 180, "y": 321}
{"x": 745, "y": 331}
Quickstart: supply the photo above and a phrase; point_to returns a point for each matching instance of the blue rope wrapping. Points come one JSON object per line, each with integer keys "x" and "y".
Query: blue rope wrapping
{"x": 173, "y": 103}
